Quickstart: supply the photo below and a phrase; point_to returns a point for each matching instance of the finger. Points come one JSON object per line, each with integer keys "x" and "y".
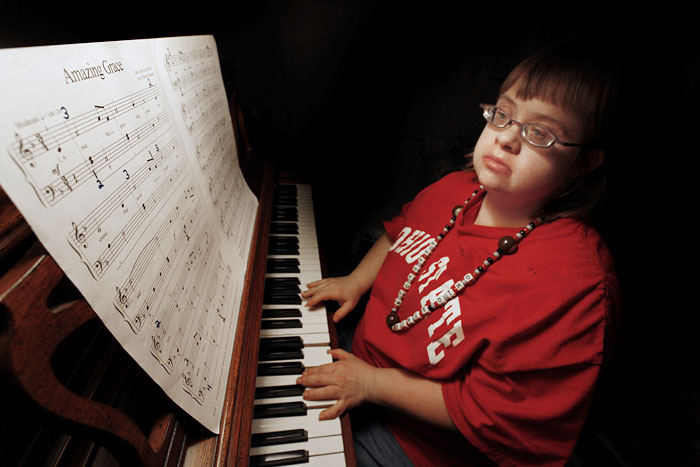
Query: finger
{"x": 343, "y": 311}
{"x": 321, "y": 296}
{"x": 317, "y": 379}
{"x": 317, "y": 283}
{"x": 313, "y": 299}
{"x": 322, "y": 393}
{"x": 316, "y": 370}
{"x": 334, "y": 411}
{"x": 308, "y": 293}
{"x": 340, "y": 354}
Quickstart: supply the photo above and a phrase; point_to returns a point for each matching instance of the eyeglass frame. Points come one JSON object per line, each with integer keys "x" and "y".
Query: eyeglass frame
{"x": 511, "y": 120}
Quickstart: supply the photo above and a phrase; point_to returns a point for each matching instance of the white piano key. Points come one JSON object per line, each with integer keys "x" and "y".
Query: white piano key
{"x": 319, "y": 404}
{"x": 309, "y": 422}
{"x": 308, "y": 315}
{"x": 328, "y": 460}
{"x": 304, "y": 277}
{"x": 306, "y": 264}
{"x": 275, "y": 380}
{"x": 313, "y": 356}
{"x": 312, "y": 328}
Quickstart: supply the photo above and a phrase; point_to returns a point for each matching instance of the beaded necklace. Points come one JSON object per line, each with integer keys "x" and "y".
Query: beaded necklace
{"x": 506, "y": 246}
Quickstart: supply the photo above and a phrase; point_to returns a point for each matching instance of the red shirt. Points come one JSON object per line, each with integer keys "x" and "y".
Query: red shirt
{"x": 518, "y": 352}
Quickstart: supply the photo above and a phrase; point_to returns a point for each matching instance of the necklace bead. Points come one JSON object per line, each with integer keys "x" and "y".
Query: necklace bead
{"x": 507, "y": 245}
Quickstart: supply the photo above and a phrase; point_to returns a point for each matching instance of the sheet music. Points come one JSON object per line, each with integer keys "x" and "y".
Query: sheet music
{"x": 122, "y": 158}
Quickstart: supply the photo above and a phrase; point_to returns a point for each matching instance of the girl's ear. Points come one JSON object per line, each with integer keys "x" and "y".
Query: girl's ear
{"x": 595, "y": 158}
{"x": 591, "y": 160}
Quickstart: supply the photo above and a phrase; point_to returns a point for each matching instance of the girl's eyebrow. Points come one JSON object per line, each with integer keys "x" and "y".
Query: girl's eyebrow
{"x": 537, "y": 116}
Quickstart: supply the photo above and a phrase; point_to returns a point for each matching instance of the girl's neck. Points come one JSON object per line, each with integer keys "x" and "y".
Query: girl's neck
{"x": 501, "y": 211}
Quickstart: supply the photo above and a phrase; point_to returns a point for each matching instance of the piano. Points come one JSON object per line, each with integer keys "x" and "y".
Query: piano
{"x": 74, "y": 397}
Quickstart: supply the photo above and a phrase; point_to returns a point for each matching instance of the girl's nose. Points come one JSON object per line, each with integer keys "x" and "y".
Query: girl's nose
{"x": 509, "y": 138}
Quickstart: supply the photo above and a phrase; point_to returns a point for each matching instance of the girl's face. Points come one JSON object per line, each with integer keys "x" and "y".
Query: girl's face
{"x": 507, "y": 164}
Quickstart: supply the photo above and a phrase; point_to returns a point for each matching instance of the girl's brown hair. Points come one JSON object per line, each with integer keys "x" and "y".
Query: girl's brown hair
{"x": 582, "y": 79}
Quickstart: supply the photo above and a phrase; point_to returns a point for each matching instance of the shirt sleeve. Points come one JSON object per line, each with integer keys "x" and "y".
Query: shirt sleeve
{"x": 525, "y": 418}
{"x": 527, "y": 406}
{"x": 394, "y": 226}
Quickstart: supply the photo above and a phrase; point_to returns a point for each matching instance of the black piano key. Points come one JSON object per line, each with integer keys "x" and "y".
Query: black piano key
{"x": 285, "y": 199}
{"x": 280, "y": 409}
{"x": 280, "y": 324}
{"x": 282, "y": 265}
{"x": 282, "y": 313}
{"x": 277, "y": 228}
{"x": 284, "y": 238}
{"x": 280, "y": 268}
{"x": 289, "y": 390}
{"x": 279, "y": 437}
{"x": 298, "y": 456}
{"x": 291, "y": 312}
{"x": 283, "y": 250}
{"x": 284, "y": 213}
{"x": 282, "y": 299}
{"x": 282, "y": 343}
{"x": 272, "y": 281}
{"x": 283, "y": 246}
{"x": 283, "y": 288}
{"x": 286, "y": 188}
{"x": 280, "y": 368}
{"x": 274, "y": 355}
{"x": 283, "y": 261}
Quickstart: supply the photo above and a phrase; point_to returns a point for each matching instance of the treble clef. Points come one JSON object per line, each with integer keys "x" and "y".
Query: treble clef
{"x": 122, "y": 298}
{"x": 156, "y": 343}
{"x": 98, "y": 266}
{"x": 26, "y": 153}
{"x": 79, "y": 236}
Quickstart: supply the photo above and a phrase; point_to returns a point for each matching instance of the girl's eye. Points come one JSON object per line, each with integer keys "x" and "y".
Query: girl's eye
{"x": 538, "y": 135}
{"x": 499, "y": 116}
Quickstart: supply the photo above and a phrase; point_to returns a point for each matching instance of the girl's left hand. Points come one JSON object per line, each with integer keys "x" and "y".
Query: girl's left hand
{"x": 349, "y": 380}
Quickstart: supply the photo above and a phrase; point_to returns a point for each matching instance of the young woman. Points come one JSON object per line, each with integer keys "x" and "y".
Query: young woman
{"x": 491, "y": 295}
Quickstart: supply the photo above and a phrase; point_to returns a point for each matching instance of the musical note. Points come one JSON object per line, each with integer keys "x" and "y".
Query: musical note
{"x": 167, "y": 256}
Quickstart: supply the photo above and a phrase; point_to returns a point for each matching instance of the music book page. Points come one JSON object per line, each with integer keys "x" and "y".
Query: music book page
{"x": 121, "y": 156}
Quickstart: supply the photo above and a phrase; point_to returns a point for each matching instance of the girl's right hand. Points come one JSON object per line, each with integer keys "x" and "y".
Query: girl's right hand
{"x": 345, "y": 290}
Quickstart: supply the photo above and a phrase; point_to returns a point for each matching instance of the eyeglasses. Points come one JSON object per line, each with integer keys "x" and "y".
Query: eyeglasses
{"x": 535, "y": 134}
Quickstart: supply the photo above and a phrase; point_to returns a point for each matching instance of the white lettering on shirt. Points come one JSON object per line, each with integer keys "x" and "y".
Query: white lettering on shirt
{"x": 411, "y": 243}
{"x": 448, "y": 327}
{"x": 433, "y": 272}
{"x": 402, "y": 236}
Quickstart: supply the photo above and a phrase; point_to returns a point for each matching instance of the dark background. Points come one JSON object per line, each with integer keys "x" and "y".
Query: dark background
{"x": 372, "y": 100}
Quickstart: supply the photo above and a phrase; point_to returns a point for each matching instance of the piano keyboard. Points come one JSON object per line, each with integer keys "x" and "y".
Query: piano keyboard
{"x": 286, "y": 429}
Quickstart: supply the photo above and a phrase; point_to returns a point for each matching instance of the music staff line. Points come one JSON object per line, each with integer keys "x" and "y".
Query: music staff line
{"x": 211, "y": 330}
{"x": 184, "y": 74}
{"x": 134, "y": 282}
{"x": 56, "y": 136}
{"x": 181, "y": 58}
{"x": 136, "y": 222}
{"x": 93, "y": 168}
{"x": 184, "y": 292}
{"x": 90, "y": 225}
{"x": 195, "y": 124}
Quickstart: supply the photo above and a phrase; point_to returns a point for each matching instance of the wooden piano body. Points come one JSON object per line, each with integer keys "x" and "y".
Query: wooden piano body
{"x": 72, "y": 396}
